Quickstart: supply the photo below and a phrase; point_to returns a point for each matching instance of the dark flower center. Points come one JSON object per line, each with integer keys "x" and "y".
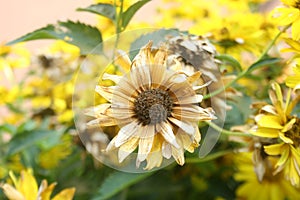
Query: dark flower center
{"x": 297, "y": 4}
{"x": 153, "y": 106}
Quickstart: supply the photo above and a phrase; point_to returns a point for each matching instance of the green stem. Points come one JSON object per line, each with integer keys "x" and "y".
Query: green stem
{"x": 243, "y": 73}
{"x": 227, "y": 132}
{"x": 265, "y": 52}
{"x": 209, "y": 157}
{"x": 218, "y": 91}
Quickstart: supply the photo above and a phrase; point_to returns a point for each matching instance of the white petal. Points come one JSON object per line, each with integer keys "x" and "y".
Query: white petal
{"x": 188, "y": 128}
{"x": 127, "y": 148}
{"x": 126, "y": 133}
{"x": 112, "y": 77}
{"x": 178, "y": 155}
{"x": 105, "y": 92}
{"x": 166, "y": 130}
{"x": 189, "y": 99}
{"x": 98, "y": 110}
{"x": 146, "y": 142}
{"x": 166, "y": 150}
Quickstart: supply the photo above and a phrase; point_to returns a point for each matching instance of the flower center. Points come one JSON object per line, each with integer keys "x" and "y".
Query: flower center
{"x": 297, "y": 4}
{"x": 294, "y": 132}
{"x": 153, "y": 106}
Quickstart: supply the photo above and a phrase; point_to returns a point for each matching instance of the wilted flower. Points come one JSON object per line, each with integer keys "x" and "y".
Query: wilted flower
{"x": 196, "y": 53}
{"x": 157, "y": 109}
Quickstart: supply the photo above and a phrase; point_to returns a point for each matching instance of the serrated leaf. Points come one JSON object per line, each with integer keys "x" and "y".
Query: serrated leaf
{"x": 262, "y": 63}
{"x": 156, "y": 37}
{"x": 118, "y": 181}
{"x": 81, "y": 35}
{"x": 103, "y": 9}
{"x": 129, "y": 13}
{"x": 26, "y": 139}
{"x": 227, "y": 59}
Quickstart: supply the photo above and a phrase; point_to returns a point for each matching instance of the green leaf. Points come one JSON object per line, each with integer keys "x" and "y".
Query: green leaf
{"x": 22, "y": 141}
{"x": 262, "y": 63}
{"x": 81, "y": 35}
{"x": 8, "y": 128}
{"x": 116, "y": 182}
{"x": 129, "y": 13}
{"x": 103, "y": 9}
{"x": 227, "y": 59}
{"x": 156, "y": 37}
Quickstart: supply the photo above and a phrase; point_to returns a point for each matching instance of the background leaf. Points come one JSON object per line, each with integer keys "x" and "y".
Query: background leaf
{"x": 103, "y": 9}
{"x": 129, "y": 13}
{"x": 262, "y": 63}
{"x": 22, "y": 141}
{"x": 116, "y": 182}
{"x": 81, "y": 35}
{"x": 229, "y": 60}
{"x": 156, "y": 37}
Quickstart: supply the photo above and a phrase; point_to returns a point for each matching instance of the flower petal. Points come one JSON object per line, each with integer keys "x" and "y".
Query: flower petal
{"x": 269, "y": 121}
{"x": 296, "y": 28}
{"x": 274, "y": 149}
{"x": 166, "y": 131}
{"x": 66, "y": 194}
{"x": 188, "y": 128}
{"x": 146, "y": 141}
{"x": 123, "y": 60}
{"x": 127, "y": 148}
{"x": 166, "y": 150}
{"x": 127, "y": 132}
{"x": 265, "y": 132}
{"x": 11, "y": 193}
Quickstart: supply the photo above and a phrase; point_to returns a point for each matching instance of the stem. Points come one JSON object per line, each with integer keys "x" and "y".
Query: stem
{"x": 209, "y": 157}
{"x": 265, "y": 52}
{"x": 218, "y": 91}
{"x": 243, "y": 73}
{"x": 227, "y": 132}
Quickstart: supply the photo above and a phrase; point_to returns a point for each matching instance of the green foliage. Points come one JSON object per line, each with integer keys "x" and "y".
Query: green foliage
{"x": 84, "y": 36}
{"x": 117, "y": 182}
{"x": 266, "y": 61}
{"x": 129, "y": 13}
{"x": 103, "y": 9}
{"x": 229, "y": 60}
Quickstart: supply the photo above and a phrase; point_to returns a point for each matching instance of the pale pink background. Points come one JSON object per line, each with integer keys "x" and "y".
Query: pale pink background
{"x": 18, "y": 17}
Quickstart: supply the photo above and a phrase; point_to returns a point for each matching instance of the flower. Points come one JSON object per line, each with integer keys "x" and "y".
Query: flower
{"x": 270, "y": 187}
{"x": 289, "y": 14}
{"x": 196, "y": 53}
{"x": 157, "y": 109}
{"x": 26, "y": 188}
{"x": 276, "y": 122}
{"x": 289, "y": 160}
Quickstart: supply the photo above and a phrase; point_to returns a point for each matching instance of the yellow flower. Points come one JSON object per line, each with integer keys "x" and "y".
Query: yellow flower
{"x": 289, "y": 160}
{"x": 156, "y": 110}
{"x": 61, "y": 151}
{"x": 293, "y": 81}
{"x": 26, "y": 188}
{"x": 275, "y": 121}
{"x": 11, "y": 57}
{"x": 273, "y": 187}
{"x": 289, "y": 14}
